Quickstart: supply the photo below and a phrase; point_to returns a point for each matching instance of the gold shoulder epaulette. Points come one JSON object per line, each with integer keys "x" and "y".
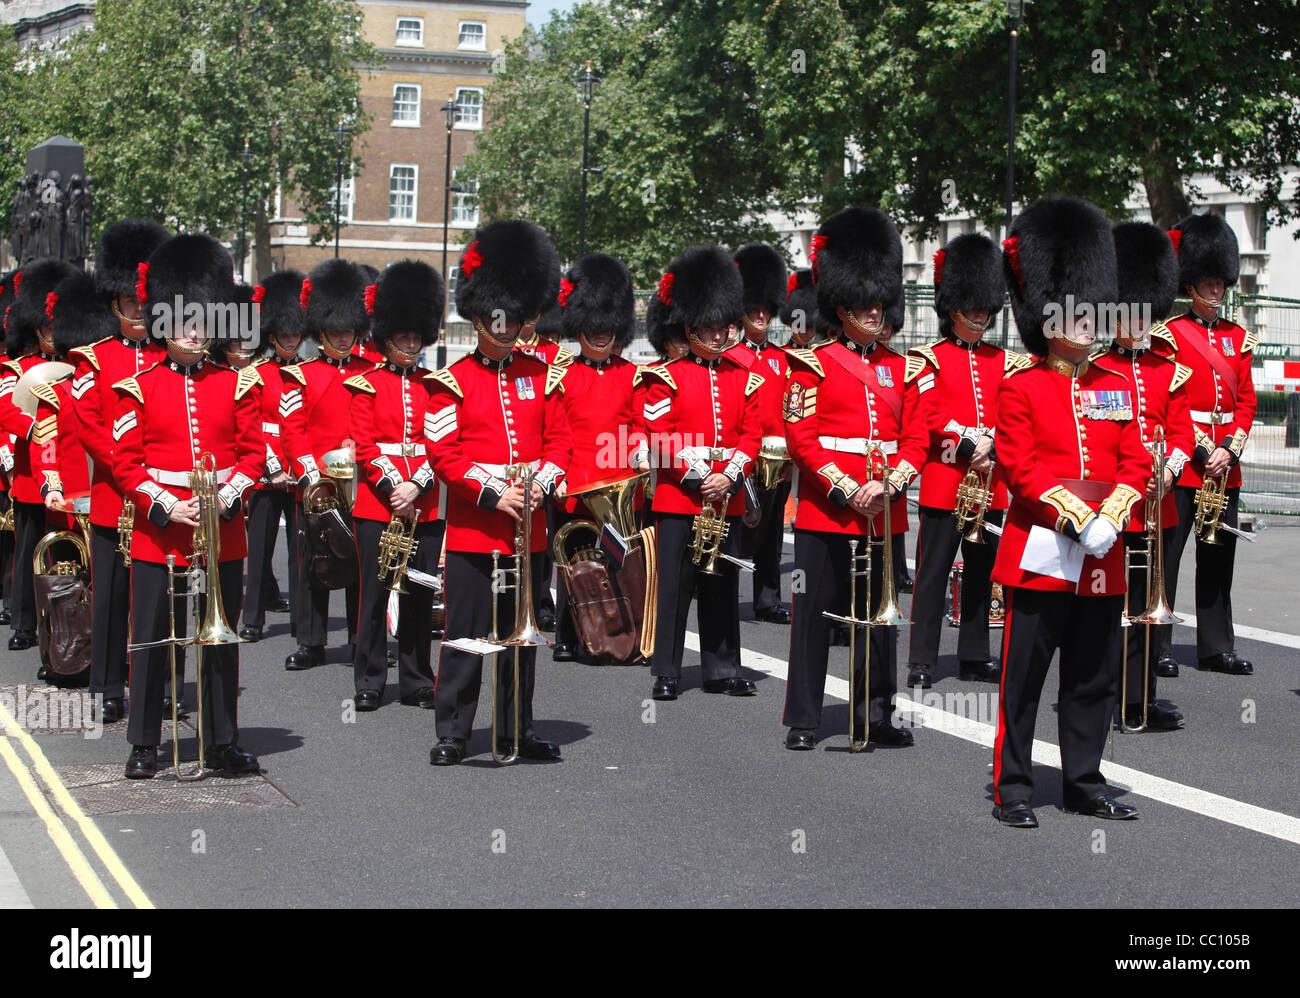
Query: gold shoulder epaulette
{"x": 294, "y": 371}
{"x": 46, "y": 393}
{"x": 809, "y": 359}
{"x": 359, "y": 383}
{"x": 15, "y": 367}
{"x": 444, "y": 377}
{"x": 132, "y": 387}
{"x": 1013, "y": 362}
{"x": 928, "y": 353}
{"x": 88, "y": 352}
{"x": 554, "y": 375}
{"x": 915, "y": 365}
{"x": 564, "y": 356}
{"x": 248, "y": 377}
{"x": 753, "y": 383}
{"x": 661, "y": 372}
{"x": 1162, "y": 332}
{"x": 1181, "y": 373}
{"x": 1250, "y": 342}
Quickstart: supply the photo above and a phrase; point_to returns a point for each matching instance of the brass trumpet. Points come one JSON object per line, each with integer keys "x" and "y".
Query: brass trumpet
{"x": 974, "y": 496}
{"x": 708, "y": 530}
{"x": 396, "y": 545}
{"x": 126, "y": 530}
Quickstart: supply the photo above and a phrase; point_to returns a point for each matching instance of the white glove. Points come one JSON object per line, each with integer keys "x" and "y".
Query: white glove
{"x": 1097, "y": 536}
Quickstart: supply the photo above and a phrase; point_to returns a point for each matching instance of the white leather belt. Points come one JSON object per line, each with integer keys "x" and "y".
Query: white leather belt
{"x": 504, "y": 470}
{"x": 401, "y": 450}
{"x": 181, "y": 479}
{"x": 708, "y": 453}
{"x": 271, "y": 429}
{"x": 336, "y": 457}
{"x": 1213, "y": 418}
{"x": 856, "y": 445}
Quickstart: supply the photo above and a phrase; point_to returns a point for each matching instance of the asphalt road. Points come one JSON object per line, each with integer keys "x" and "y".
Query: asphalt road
{"x": 696, "y": 802}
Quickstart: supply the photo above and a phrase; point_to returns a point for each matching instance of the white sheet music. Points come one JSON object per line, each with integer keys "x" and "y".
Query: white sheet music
{"x": 1052, "y": 554}
{"x": 474, "y": 646}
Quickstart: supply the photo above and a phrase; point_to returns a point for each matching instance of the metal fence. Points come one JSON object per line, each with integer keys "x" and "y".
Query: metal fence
{"x": 1271, "y": 460}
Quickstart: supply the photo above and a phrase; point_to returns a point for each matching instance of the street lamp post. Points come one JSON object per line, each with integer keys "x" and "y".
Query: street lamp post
{"x": 449, "y": 112}
{"x": 588, "y": 81}
{"x": 243, "y": 216}
{"x": 341, "y": 133}
{"x": 1015, "y": 11}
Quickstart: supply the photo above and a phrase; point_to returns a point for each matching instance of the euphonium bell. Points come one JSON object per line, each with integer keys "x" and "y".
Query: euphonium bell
{"x": 773, "y": 459}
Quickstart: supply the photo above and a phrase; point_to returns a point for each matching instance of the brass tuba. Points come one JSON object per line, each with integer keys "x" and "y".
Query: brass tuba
{"x": 612, "y": 501}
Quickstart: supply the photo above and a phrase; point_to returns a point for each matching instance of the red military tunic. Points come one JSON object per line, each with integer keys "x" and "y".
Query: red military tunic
{"x": 170, "y": 415}
{"x": 1220, "y": 394}
{"x": 269, "y": 394}
{"x": 1069, "y": 449}
{"x": 771, "y": 363}
{"x": 547, "y": 351}
{"x": 598, "y": 403}
{"x": 314, "y": 407}
{"x": 701, "y": 417}
{"x": 1157, "y": 385}
{"x": 483, "y": 416}
{"x": 99, "y": 367}
{"x": 838, "y": 398}
{"x": 58, "y": 457}
{"x": 23, "y": 484}
{"x": 389, "y": 407}
{"x": 953, "y": 387}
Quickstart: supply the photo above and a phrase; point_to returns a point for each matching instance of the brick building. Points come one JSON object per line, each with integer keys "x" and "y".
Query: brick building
{"x": 432, "y": 53}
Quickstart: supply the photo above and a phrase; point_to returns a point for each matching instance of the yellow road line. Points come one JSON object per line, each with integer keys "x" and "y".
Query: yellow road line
{"x": 67, "y": 846}
{"x": 107, "y": 855}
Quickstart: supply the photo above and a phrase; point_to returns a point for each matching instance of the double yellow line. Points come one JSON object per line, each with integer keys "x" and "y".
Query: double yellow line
{"x": 69, "y": 848}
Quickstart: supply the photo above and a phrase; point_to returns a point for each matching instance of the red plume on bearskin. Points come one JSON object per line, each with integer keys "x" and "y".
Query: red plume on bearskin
{"x": 665, "y": 289}
{"x": 305, "y": 295}
{"x": 470, "y": 260}
{"x": 566, "y": 289}
{"x": 142, "y": 273}
{"x": 1175, "y": 237}
{"x": 30, "y": 313}
{"x": 51, "y": 300}
{"x": 939, "y": 256}
{"x": 259, "y": 293}
{"x": 1012, "y": 249}
{"x": 369, "y": 298}
{"x": 791, "y": 283}
{"x": 18, "y": 280}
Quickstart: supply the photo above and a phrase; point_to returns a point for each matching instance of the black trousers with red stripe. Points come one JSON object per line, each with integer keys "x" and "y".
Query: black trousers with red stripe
{"x": 265, "y": 508}
{"x": 1214, "y": 633}
{"x": 1135, "y": 664}
{"x": 29, "y": 527}
{"x": 937, "y": 542}
{"x": 1086, "y": 632}
{"x": 764, "y": 543}
{"x": 311, "y": 606}
{"x": 821, "y": 582}
{"x": 111, "y": 602}
{"x": 6, "y": 558}
{"x": 717, "y": 602}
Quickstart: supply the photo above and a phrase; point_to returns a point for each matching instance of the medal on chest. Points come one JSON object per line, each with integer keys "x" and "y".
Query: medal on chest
{"x": 884, "y": 376}
{"x": 1227, "y": 346}
{"x": 524, "y": 389}
{"x": 1113, "y": 405}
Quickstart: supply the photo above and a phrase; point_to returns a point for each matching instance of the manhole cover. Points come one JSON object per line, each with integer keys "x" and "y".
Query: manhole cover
{"x": 101, "y": 789}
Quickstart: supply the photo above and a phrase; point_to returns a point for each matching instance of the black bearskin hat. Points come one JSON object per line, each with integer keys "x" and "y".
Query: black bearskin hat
{"x": 1146, "y": 268}
{"x": 279, "y": 302}
{"x": 334, "y": 297}
{"x": 408, "y": 298}
{"x": 240, "y": 332}
{"x": 194, "y": 268}
{"x": 27, "y": 314}
{"x": 801, "y": 303}
{"x": 6, "y": 296}
{"x": 509, "y": 266}
{"x": 968, "y": 276}
{"x": 550, "y": 325}
{"x": 596, "y": 297}
{"x": 122, "y": 248}
{"x": 762, "y": 269}
{"x": 703, "y": 287}
{"x": 1060, "y": 247}
{"x": 81, "y": 316}
{"x": 659, "y": 327}
{"x": 1207, "y": 248}
{"x": 857, "y": 259}
{"x": 895, "y": 316}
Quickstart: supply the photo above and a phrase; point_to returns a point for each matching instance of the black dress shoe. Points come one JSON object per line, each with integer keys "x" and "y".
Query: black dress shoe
{"x": 919, "y": 675}
{"x": 773, "y": 614}
{"x": 230, "y": 760}
{"x": 280, "y": 605}
{"x": 884, "y": 733}
{"x": 800, "y": 739}
{"x": 366, "y": 700}
{"x": 448, "y": 752}
{"x": 980, "y": 672}
{"x": 114, "y": 710}
{"x": 1159, "y": 717}
{"x": 43, "y": 673}
{"x": 5, "y": 617}
{"x": 664, "y": 689}
{"x": 142, "y": 763}
{"x": 840, "y": 635}
{"x": 422, "y": 697}
{"x": 529, "y": 748}
{"x": 251, "y": 634}
{"x": 182, "y": 711}
{"x": 392, "y": 660}
{"x": 1229, "y": 663}
{"x": 1016, "y": 813}
{"x": 563, "y": 653}
{"x": 1104, "y": 806}
{"x": 733, "y": 687}
{"x": 546, "y": 619}
{"x": 906, "y": 584}
{"x": 21, "y": 641}
{"x": 306, "y": 657}
{"x": 1166, "y": 667}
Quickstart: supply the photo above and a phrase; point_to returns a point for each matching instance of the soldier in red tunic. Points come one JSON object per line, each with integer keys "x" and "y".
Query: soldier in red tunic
{"x": 390, "y": 409}
{"x": 124, "y": 351}
{"x": 1148, "y": 281}
{"x": 6, "y": 469}
{"x": 316, "y": 429}
{"x": 1221, "y": 395}
{"x": 280, "y": 321}
{"x": 596, "y": 311}
{"x": 1071, "y": 454}
{"x": 492, "y": 411}
{"x": 843, "y": 399}
{"x": 953, "y": 385}
{"x": 28, "y": 343}
{"x": 168, "y": 419}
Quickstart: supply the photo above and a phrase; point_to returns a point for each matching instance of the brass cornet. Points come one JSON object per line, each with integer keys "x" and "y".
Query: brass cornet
{"x": 708, "y": 530}
{"x": 126, "y": 530}
{"x": 396, "y": 545}
{"x": 974, "y": 495}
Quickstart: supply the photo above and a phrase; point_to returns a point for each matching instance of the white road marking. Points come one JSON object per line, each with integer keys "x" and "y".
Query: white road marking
{"x": 12, "y": 894}
{"x": 1203, "y": 802}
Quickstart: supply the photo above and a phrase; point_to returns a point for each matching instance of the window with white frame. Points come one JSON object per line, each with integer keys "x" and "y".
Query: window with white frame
{"x": 469, "y": 107}
{"x": 401, "y": 192}
{"x": 464, "y": 203}
{"x": 349, "y": 194}
{"x": 473, "y": 35}
{"x": 410, "y": 31}
{"x": 406, "y": 105}
{"x": 452, "y": 274}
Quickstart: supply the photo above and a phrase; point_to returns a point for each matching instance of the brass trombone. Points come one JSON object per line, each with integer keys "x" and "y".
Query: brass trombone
{"x": 210, "y": 625}
{"x": 1152, "y": 565}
